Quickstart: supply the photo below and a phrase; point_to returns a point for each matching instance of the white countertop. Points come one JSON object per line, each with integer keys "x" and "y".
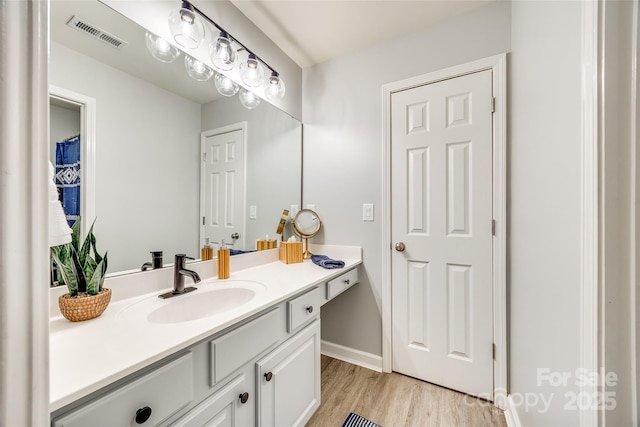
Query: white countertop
{"x": 118, "y": 344}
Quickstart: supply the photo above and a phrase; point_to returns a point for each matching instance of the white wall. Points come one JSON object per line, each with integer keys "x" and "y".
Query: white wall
{"x": 147, "y": 161}
{"x": 63, "y": 123}
{"x": 342, "y": 116}
{"x": 544, "y": 208}
{"x": 274, "y": 161}
{"x": 617, "y": 211}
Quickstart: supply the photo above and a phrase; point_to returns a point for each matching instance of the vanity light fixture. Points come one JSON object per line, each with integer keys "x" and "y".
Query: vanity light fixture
{"x": 225, "y": 85}
{"x": 161, "y": 49}
{"x": 275, "y": 87}
{"x": 186, "y": 28}
{"x": 197, "y": 70}
{"x": 251, "y": 72}
{"x": 223, "y": 55}
{"x": 248, "y": 99}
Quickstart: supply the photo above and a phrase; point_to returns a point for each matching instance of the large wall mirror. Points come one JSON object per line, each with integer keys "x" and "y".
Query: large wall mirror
{"x": 152, "y": 126}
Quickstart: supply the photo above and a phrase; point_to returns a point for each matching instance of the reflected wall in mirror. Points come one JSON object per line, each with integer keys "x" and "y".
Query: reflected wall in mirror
{"x": 148, "y": 126}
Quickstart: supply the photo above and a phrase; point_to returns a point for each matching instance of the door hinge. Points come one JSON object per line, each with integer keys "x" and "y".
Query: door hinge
{"x": 493, "y": 227}
{"x": 493, "y": 104}
{"x": 493, "y": 351}
{"x": 204, "y": 156}
{"x": 202, "y": 220}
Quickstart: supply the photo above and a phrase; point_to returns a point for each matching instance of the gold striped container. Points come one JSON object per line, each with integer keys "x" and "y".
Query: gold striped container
{"x": 291, "y": 252}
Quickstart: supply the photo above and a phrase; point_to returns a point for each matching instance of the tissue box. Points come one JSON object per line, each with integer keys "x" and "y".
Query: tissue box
{"x": 290, "y": 252}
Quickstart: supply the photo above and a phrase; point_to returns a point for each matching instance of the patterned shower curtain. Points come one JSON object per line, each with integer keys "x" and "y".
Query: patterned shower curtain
{"x": 68, "y": 177}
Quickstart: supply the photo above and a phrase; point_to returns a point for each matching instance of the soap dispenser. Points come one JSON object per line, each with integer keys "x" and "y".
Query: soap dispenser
{"x": 207, "y": 251}
{"x": 223, "y": 261}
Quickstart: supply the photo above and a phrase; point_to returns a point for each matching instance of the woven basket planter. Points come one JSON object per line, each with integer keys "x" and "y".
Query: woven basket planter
{"x": 84, "y": 308}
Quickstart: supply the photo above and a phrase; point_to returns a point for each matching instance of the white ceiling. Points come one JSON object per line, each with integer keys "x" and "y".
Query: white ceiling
{"x": 313, "y": 31}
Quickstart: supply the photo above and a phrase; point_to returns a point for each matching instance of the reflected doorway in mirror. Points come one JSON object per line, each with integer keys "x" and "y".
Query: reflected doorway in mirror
{"x": 72, "y": 113}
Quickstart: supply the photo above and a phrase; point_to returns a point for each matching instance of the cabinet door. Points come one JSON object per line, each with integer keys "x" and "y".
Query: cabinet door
{"x": 228, "y": 407}
{"x": 289, "y": 380}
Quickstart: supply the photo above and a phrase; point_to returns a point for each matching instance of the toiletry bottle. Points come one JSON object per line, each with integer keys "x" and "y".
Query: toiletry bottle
{"x": 207, "y": 251}
{"x": 223, "y": 262}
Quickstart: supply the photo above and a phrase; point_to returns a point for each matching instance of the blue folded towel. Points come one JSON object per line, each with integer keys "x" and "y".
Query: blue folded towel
{"x": 326, "y": 262}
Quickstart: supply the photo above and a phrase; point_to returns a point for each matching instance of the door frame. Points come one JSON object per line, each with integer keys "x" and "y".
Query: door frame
{"x": 203, "y": 138}
{"x": 88, "y": 116}
{"x": 498, "y": 65}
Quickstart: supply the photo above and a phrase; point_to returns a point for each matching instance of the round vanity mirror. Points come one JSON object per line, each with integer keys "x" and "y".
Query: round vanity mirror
{"x": 306, "y": 224}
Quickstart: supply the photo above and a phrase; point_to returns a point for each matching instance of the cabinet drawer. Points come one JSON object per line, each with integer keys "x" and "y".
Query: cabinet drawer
{"x": 303, "y": 308}
{"x": 341, "y": 283}
{"x": 239, "y": 346}
{"x": 164, "y": 391}
{"x": 224, "y": 407}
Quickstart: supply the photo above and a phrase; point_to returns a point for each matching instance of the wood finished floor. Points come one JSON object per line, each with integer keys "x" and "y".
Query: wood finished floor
{"x": 394, "y": 400}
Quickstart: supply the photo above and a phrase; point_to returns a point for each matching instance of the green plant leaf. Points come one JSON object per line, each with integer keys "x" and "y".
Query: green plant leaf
{"x": 75, "y": 234}
{"x": 86, "y": 245}
{"x": 82, "y": 282}
{"x": 104, "y": 270}
{"x": 96, "y": 255}
{"x": 93, "y": 286}
{"x": 62, "y": 257}
{"x": 89, "y": 267}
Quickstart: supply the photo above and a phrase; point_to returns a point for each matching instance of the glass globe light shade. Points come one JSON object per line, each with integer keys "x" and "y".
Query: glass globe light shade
{"x": 161, "y": 49}
{"x": 197, "y": 70}
{"x": 222, "y": 54}
{"x": 249, "y": 100}
{"x": 186, "y": 27}
{"x": 225, "y": 85}
{"x": 275, "y": 88}
{"x": 252, "y": 72}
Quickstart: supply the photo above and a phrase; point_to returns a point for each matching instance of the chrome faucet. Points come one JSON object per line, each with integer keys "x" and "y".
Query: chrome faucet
{"x": 179, "y": 271}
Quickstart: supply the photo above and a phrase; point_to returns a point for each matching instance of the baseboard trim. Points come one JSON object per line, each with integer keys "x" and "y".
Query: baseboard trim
{"x": 351, "y": 355}
{"x": 511, "y": 414}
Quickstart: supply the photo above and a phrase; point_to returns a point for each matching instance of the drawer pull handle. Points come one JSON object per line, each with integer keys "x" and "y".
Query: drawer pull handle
{"x": 244, "y": 397}
{"x": 143, "y": 414}
{"x": 268, "y": 376}
{"x": 347, "y": 281}
{"x": 310, "y": 309}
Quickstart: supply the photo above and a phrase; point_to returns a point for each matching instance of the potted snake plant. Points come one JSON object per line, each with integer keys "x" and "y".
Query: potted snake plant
{"x": 82, "y": 270}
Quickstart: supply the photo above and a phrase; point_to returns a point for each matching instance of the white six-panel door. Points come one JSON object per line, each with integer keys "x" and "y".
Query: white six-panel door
{"x": 441, "y": 150}
{"x": 223, "y": 186}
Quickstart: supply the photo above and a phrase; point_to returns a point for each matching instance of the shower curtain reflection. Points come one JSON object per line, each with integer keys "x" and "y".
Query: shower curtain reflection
{"x": 68, "y": 177}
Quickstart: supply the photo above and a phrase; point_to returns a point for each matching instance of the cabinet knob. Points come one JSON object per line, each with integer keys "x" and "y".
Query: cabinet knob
{"x": 310, "y": 309}
{"x": 347, "y": 281}
{"x": 268, "y": 376}
{"x": 244, "y": 397}
{"x": 143, "y": 414}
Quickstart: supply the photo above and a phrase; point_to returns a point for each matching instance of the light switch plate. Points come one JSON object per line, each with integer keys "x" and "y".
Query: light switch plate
{"x": 253, "y": 212}
{"x": 294, "y": 210}
{"x": 311, "y": 206}
{"x": 367, "y": 212}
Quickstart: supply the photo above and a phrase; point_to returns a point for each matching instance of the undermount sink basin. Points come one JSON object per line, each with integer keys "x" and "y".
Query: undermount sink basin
{"x": 208, "y": 300}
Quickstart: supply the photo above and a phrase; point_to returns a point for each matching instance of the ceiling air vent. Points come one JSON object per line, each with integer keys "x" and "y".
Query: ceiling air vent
{"x": 96, "y": 33}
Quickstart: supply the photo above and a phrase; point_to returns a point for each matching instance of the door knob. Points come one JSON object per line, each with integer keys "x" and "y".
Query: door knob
{"x": 400, "y": 247}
